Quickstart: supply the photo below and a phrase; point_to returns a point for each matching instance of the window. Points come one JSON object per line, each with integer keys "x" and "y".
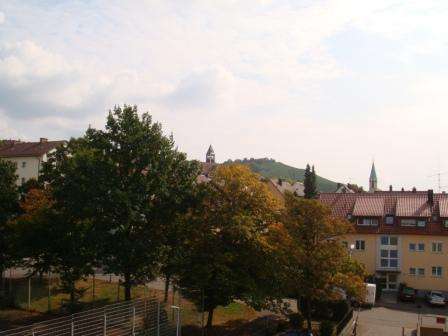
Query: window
{"x": 360, "y": 245}
{"x": 421, "y": 223}
{"x": 23, "y": 180}
{"x": 436, "y": 247}
{"x": 408, "y": 222}
{"x": 368, "y": 221}
{"x": 445, "y": 223}
{"x": 412, "y": 247}
{"x": 437, "y": 271}
{"x": 389, "y": 258}
{"x": 420, "y": 247}
{"x": 420, "y": 271}
{"x": 23, "y": 164}
{"x": 387, "y": 240}
{"x": 412, "y": 271}
{"x": 389, "y": 220}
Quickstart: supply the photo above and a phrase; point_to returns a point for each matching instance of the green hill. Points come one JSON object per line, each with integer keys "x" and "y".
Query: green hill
{"x": 270, "y": 168}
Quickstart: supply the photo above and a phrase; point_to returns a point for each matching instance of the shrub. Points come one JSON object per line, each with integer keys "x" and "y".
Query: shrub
{"x": 296, "y": 320}
{"x": 326, "y": 328}
{"x": 339, "y": 310}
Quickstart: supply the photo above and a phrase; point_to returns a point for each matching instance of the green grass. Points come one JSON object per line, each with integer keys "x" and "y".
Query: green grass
{"x": 272, "y": 169}
{"x": 105, "y": 293}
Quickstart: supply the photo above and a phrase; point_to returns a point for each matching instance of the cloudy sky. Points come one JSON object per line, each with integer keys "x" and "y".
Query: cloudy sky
{"x": 335, "y": 83}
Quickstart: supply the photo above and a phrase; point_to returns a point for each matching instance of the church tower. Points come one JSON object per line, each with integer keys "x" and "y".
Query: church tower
{"x": 210, "y": 156}
{"x": 373, "y": 180}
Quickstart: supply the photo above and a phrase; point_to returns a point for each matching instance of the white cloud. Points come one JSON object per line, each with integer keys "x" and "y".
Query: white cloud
{"x": 2, "y": 17}
{"x": 255, "y": 78}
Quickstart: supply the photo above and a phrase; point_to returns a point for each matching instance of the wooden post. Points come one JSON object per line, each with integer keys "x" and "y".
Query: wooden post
{"x": 105, "y": 325}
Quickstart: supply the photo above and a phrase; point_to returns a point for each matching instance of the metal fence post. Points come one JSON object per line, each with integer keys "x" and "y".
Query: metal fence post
{"x": 105, "y": 325}
{"x": 158, "y": 318}
{"x": 133, "y": 321}
{"x": 29, "y": 293}
{"x": 73, "y": 329}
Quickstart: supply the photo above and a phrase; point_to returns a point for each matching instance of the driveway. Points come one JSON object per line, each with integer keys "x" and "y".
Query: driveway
{"x": 389, "y": 318}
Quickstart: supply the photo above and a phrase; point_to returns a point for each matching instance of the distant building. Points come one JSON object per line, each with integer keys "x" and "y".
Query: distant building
{"x": 296, "y": 188}
{"x": 210, "y": 156}
{"x": 344, "y": 189}
{"x": 28, "y": 156}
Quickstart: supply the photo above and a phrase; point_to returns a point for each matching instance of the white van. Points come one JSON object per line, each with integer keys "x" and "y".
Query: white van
{"x": 370, "y": 295}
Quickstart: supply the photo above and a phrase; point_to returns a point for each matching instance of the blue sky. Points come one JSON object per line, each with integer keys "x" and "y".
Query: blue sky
{"x": 334, "y": 83}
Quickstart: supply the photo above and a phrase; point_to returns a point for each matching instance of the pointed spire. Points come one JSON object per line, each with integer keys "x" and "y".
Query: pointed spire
{"x": 373, "y": 173}
{"x": 210, "y": 156}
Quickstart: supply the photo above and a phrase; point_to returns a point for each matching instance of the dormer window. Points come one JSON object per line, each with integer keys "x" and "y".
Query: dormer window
{"x": 445, "y": 223}
{"x": 389, "y": 220}
{"x": 421, "y": 223}
{"x": 366, "y": 221}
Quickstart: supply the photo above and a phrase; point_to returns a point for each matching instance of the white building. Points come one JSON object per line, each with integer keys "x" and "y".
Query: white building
{"x": 28, "y": 156}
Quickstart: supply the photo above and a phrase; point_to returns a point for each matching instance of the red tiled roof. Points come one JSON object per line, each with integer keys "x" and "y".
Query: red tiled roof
{"x": 369, "y": 206}
{"x": 23, "y": 149}
{"x": 401, "y": 204}
{"x": 443, "y": 207}
{"x": 413, "y": 207}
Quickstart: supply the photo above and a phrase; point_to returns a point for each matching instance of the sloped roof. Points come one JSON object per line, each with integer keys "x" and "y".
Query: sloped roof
{"x": 25, "y": 149}
{"x": 413, "y": 207}
{"x": 443, "y": 207}
{"x": 369, "y": 206}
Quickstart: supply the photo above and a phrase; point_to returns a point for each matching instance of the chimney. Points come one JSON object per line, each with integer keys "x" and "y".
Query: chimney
{"x": 431, "y": 196}
{"x": 414, "y": 189}
{"x": 402, "y": 189}
{"x": 42, "y": 140}
{"x": 390, "y": 188}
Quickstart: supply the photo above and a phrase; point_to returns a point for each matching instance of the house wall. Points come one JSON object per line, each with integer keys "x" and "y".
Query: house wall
{"x": 31, "y": 169}
{"x": 425, "y": 259}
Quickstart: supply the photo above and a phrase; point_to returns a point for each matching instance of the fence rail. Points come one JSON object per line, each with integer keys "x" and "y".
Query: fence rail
{"x": 145, "y": 316}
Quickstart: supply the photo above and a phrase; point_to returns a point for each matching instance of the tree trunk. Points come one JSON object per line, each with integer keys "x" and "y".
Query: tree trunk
{"x": 167, "y": 288}
{"x": 210, "y": 318}
{"x": 308, "y": 315}
{"x": 127, "y": 286}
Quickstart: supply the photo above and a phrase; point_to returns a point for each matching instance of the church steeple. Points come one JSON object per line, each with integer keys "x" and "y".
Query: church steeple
{"x": 210, "y": 156}
{"x": 373, "y": 180}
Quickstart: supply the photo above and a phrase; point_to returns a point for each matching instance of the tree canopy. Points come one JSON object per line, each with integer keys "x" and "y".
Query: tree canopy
{"x": 128, "y": 181}
{"x": 227, "y": 242}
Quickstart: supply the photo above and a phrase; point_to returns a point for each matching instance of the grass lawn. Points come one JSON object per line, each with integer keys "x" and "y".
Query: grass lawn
{"x": 105, "y": 293}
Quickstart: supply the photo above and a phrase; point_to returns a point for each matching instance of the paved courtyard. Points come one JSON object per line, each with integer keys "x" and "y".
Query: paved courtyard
{"x": 389, "y": 318}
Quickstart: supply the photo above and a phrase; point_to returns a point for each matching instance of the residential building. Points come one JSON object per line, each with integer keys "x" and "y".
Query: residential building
{"x": 296, "y": 188}
{"x": 400, "y": 236}
{"x": 28, "y": 156}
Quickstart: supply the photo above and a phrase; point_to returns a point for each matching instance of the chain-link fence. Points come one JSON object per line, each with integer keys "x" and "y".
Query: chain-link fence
{"x": 145, "y": 316}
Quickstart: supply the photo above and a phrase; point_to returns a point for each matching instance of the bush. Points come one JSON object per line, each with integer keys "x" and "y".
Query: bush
{"x": 339, "y": 310}
{"x": 326, "y": 328}
{"x": 296, "y": 320}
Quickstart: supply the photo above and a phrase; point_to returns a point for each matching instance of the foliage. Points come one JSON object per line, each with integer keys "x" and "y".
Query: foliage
{"x": 269, "y": 168}
{"x": 51, "y": 240}
{"x": 296, "y": 320}
{"x": 310, "y": 183}
{"x": 227, "y": 245}
{"x": 127, "y": 182}
{"x": 326, "y": 328}
{"x": 9, "y": 198}
{"x": 311, "y": 258}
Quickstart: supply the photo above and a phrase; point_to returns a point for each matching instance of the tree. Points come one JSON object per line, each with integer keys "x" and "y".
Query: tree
{"x": 126, "y": 181}
{"x": 227, "y": 241}
{"x": 51, "y": 240}
{"x": 355, "y": 188}
{"x": 310, "y": 182}
{"x": 311, "y": 257}
{"x": 9, "y": 198}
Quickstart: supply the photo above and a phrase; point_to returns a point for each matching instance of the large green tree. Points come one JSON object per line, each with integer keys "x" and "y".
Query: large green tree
{"x": 128, "y": 181}
{"x": 227, "y": 243}
{"x": 312, "y": 261}
{"x": 9, "y": 198}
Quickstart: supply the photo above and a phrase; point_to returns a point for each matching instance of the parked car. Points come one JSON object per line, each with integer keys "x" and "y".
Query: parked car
{"x": 407, "y": 294}
{"x": 435, "y": 298}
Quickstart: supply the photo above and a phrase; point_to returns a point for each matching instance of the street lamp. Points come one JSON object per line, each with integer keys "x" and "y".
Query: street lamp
{"x": 352, "y": 247}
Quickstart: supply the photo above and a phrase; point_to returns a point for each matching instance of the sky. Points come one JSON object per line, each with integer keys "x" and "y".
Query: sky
{"x": 332, "y": 83}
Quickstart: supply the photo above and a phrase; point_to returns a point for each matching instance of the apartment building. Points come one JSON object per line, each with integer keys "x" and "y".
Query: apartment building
{"x": 400, "y": 236}
{"x": 28, "y": 156}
